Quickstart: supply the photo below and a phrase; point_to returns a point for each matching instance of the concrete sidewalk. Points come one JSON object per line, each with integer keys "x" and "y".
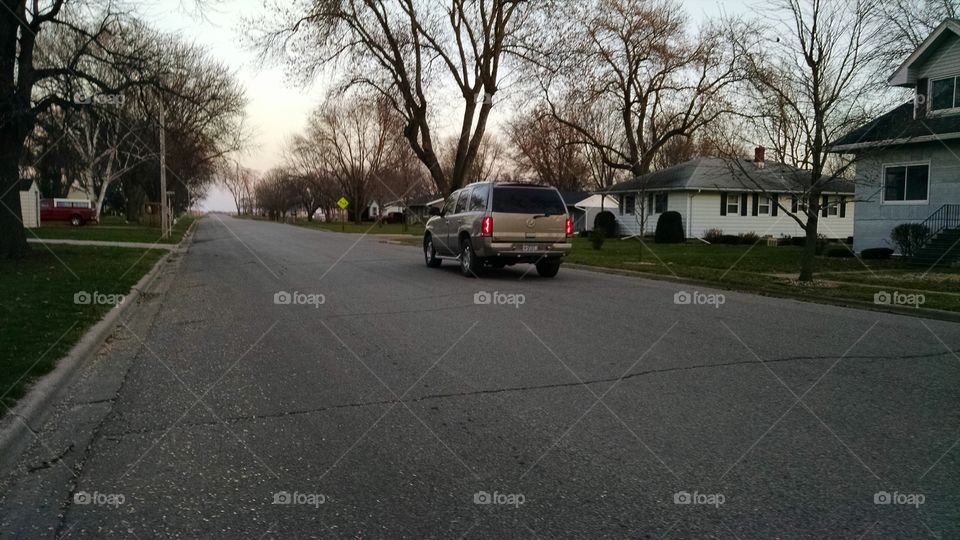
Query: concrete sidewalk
{"x": 136, "y": 245}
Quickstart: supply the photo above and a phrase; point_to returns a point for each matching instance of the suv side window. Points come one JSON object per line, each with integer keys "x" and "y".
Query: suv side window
{"x": 478, "y": 198}
{"x": 450, "y": 203}
{"x": 462, "y": 201}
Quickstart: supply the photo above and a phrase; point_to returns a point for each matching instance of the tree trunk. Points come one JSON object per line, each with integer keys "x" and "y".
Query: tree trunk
{"x": 808, "y": 260}
{"x": 13, "y": 237}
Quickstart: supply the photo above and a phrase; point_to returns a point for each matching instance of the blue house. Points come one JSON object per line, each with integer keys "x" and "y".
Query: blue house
{"x": 909, "y": 159}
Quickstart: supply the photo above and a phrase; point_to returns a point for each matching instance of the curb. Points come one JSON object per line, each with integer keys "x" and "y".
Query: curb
{"x": 923, "y": 313}
{"x": 33, "y": 409}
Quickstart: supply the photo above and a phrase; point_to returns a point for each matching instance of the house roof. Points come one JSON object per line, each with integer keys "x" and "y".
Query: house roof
{"x": 903, "y": 76}
{"x": 900, "y": 127}
{"x": 719, "y": 174}
{"x": 25, "y": 184}
{"x": 571, "y": 198}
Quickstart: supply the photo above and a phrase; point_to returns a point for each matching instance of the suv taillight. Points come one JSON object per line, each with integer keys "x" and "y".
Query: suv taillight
{"x": 569, "y": 227}
{"x": 486, "y": 226}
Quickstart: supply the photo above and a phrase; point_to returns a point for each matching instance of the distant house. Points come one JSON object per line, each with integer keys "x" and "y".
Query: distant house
{"x": 583, "y": 207}
{"x": 29, "y": 204}
{"x": 734, "y": 196}
{"x": 908, "y": 167}
{"x": 417, "y": 210}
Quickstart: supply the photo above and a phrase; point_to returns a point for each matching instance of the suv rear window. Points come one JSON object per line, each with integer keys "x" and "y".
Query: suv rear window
{"x": 524, "y": 200}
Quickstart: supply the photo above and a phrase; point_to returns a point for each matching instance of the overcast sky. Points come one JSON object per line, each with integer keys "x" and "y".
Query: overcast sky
{"x": 278, "y": 108}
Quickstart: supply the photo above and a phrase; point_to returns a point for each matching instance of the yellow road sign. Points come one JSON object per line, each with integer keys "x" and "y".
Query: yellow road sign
{"x": 343, "y": 203}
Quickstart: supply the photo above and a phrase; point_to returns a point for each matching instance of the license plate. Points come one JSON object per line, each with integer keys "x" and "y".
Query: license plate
{"x": 530, "y": 248}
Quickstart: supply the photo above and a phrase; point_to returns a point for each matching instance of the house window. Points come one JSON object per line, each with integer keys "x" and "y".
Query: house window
{"x": 763, "y": 206}
{"x": 630, "y": 204}
{"x": 733, "y": 204}
{"x": 659, "y": 203}
{"x": 906, "y": 183}
{"x": 943, "y": 94}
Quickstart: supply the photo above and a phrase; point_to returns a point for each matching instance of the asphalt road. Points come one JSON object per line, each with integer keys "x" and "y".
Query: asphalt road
{"x": 590, "y": 407}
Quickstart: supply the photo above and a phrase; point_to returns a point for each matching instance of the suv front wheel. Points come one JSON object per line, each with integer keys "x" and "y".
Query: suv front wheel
{"x": 469, "y": 262}
{"x": 430, "y": 252}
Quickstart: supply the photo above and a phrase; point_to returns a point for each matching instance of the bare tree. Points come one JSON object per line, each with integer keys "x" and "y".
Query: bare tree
{"x": 637, "y": 61}
{"x": 352, "y": 139}
{"x": 411, "y": 52}
{"x": 488, "y": 165}
{"x": 239, "y": 181}
{"x": 904, "y": 24}
{"x": 548, "y": 150}
{"x": 810, "y": 78}
{"x": 35, "y": 78}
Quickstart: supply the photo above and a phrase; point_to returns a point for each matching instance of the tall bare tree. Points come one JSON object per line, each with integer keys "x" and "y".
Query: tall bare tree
{"x": 548, "y": 150}
{"x": 239, "y": 181}
{"x": 811, "y": 79}
{"x": 412, "y": 52}
{"x": 352, "y": 138}
{"x": 637, "y": 61}
{"x": 35, "y": 76}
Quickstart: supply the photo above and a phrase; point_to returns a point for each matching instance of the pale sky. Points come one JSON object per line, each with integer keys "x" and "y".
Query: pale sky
{"x": 277, "y": 108}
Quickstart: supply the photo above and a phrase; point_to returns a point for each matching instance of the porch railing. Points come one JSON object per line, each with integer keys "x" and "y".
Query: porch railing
{"x": 946, "y": 217}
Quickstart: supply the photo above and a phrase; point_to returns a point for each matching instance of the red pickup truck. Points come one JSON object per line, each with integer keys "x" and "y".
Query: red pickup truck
{"x": 75, "y": 211}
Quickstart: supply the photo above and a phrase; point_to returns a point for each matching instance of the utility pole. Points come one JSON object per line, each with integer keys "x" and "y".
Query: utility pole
{"x": 164, "y": 220}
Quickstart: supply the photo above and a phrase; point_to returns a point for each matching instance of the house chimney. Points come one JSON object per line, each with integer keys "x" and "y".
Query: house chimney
{"x": 758, "y": 155}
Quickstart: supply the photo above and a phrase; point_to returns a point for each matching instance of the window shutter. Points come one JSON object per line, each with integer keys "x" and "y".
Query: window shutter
{"x": 756, "y": 204}
{"x": 743, "y": 204}
{"x": 774, "y": 205}
{"x": 794, "y": 204}
{"x": 843, "y": 207}
{"x": 723, "y": 203}
{"x": 824, "y": 203}
{"x": 650, "y": 204}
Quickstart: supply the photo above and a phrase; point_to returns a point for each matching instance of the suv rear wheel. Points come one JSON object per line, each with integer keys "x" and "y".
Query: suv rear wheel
{"x": 430, "y": 252}
{"x": 469, "y": 262}
{"x": 548, "y": 268}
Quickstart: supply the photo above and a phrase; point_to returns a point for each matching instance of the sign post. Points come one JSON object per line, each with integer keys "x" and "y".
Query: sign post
{"x": 343, "y": 203}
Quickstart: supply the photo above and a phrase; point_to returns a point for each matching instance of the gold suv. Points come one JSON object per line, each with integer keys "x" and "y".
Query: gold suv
{"x": 495, "y": 225}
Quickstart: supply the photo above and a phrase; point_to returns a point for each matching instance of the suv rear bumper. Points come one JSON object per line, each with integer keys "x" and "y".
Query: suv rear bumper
{"x": 486, "y": 247}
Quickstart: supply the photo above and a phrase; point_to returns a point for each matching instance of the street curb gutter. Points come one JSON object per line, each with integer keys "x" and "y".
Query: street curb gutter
{"x": 31, "y": 411}
{"x": 923, "y": 313}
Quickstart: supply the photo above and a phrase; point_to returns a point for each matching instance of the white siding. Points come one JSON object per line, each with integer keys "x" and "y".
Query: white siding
{"x": 875, "y": 220}
{"x": 30, "y": 207}
{"x": 701, "y": 212}
{"x": 944, "y": 62}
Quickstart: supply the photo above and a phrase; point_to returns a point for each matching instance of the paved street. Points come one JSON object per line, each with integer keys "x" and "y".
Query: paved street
{"x": 590, "y": 407}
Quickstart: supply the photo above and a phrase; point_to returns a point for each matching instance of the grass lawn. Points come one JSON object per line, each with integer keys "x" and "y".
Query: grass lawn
{"x": 771, "y": 270}
{"x": 39, "y": 320}
{"x": 112, "y": 229}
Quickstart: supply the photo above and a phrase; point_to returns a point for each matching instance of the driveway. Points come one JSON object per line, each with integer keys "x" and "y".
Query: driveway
{"x": 285, "y": 382}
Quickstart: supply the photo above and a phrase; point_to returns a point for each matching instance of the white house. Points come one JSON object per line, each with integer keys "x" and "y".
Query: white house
{"x": 734, "y": 196}
{"x": 29, "y": 204}
{"x": 908, "y": 168}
